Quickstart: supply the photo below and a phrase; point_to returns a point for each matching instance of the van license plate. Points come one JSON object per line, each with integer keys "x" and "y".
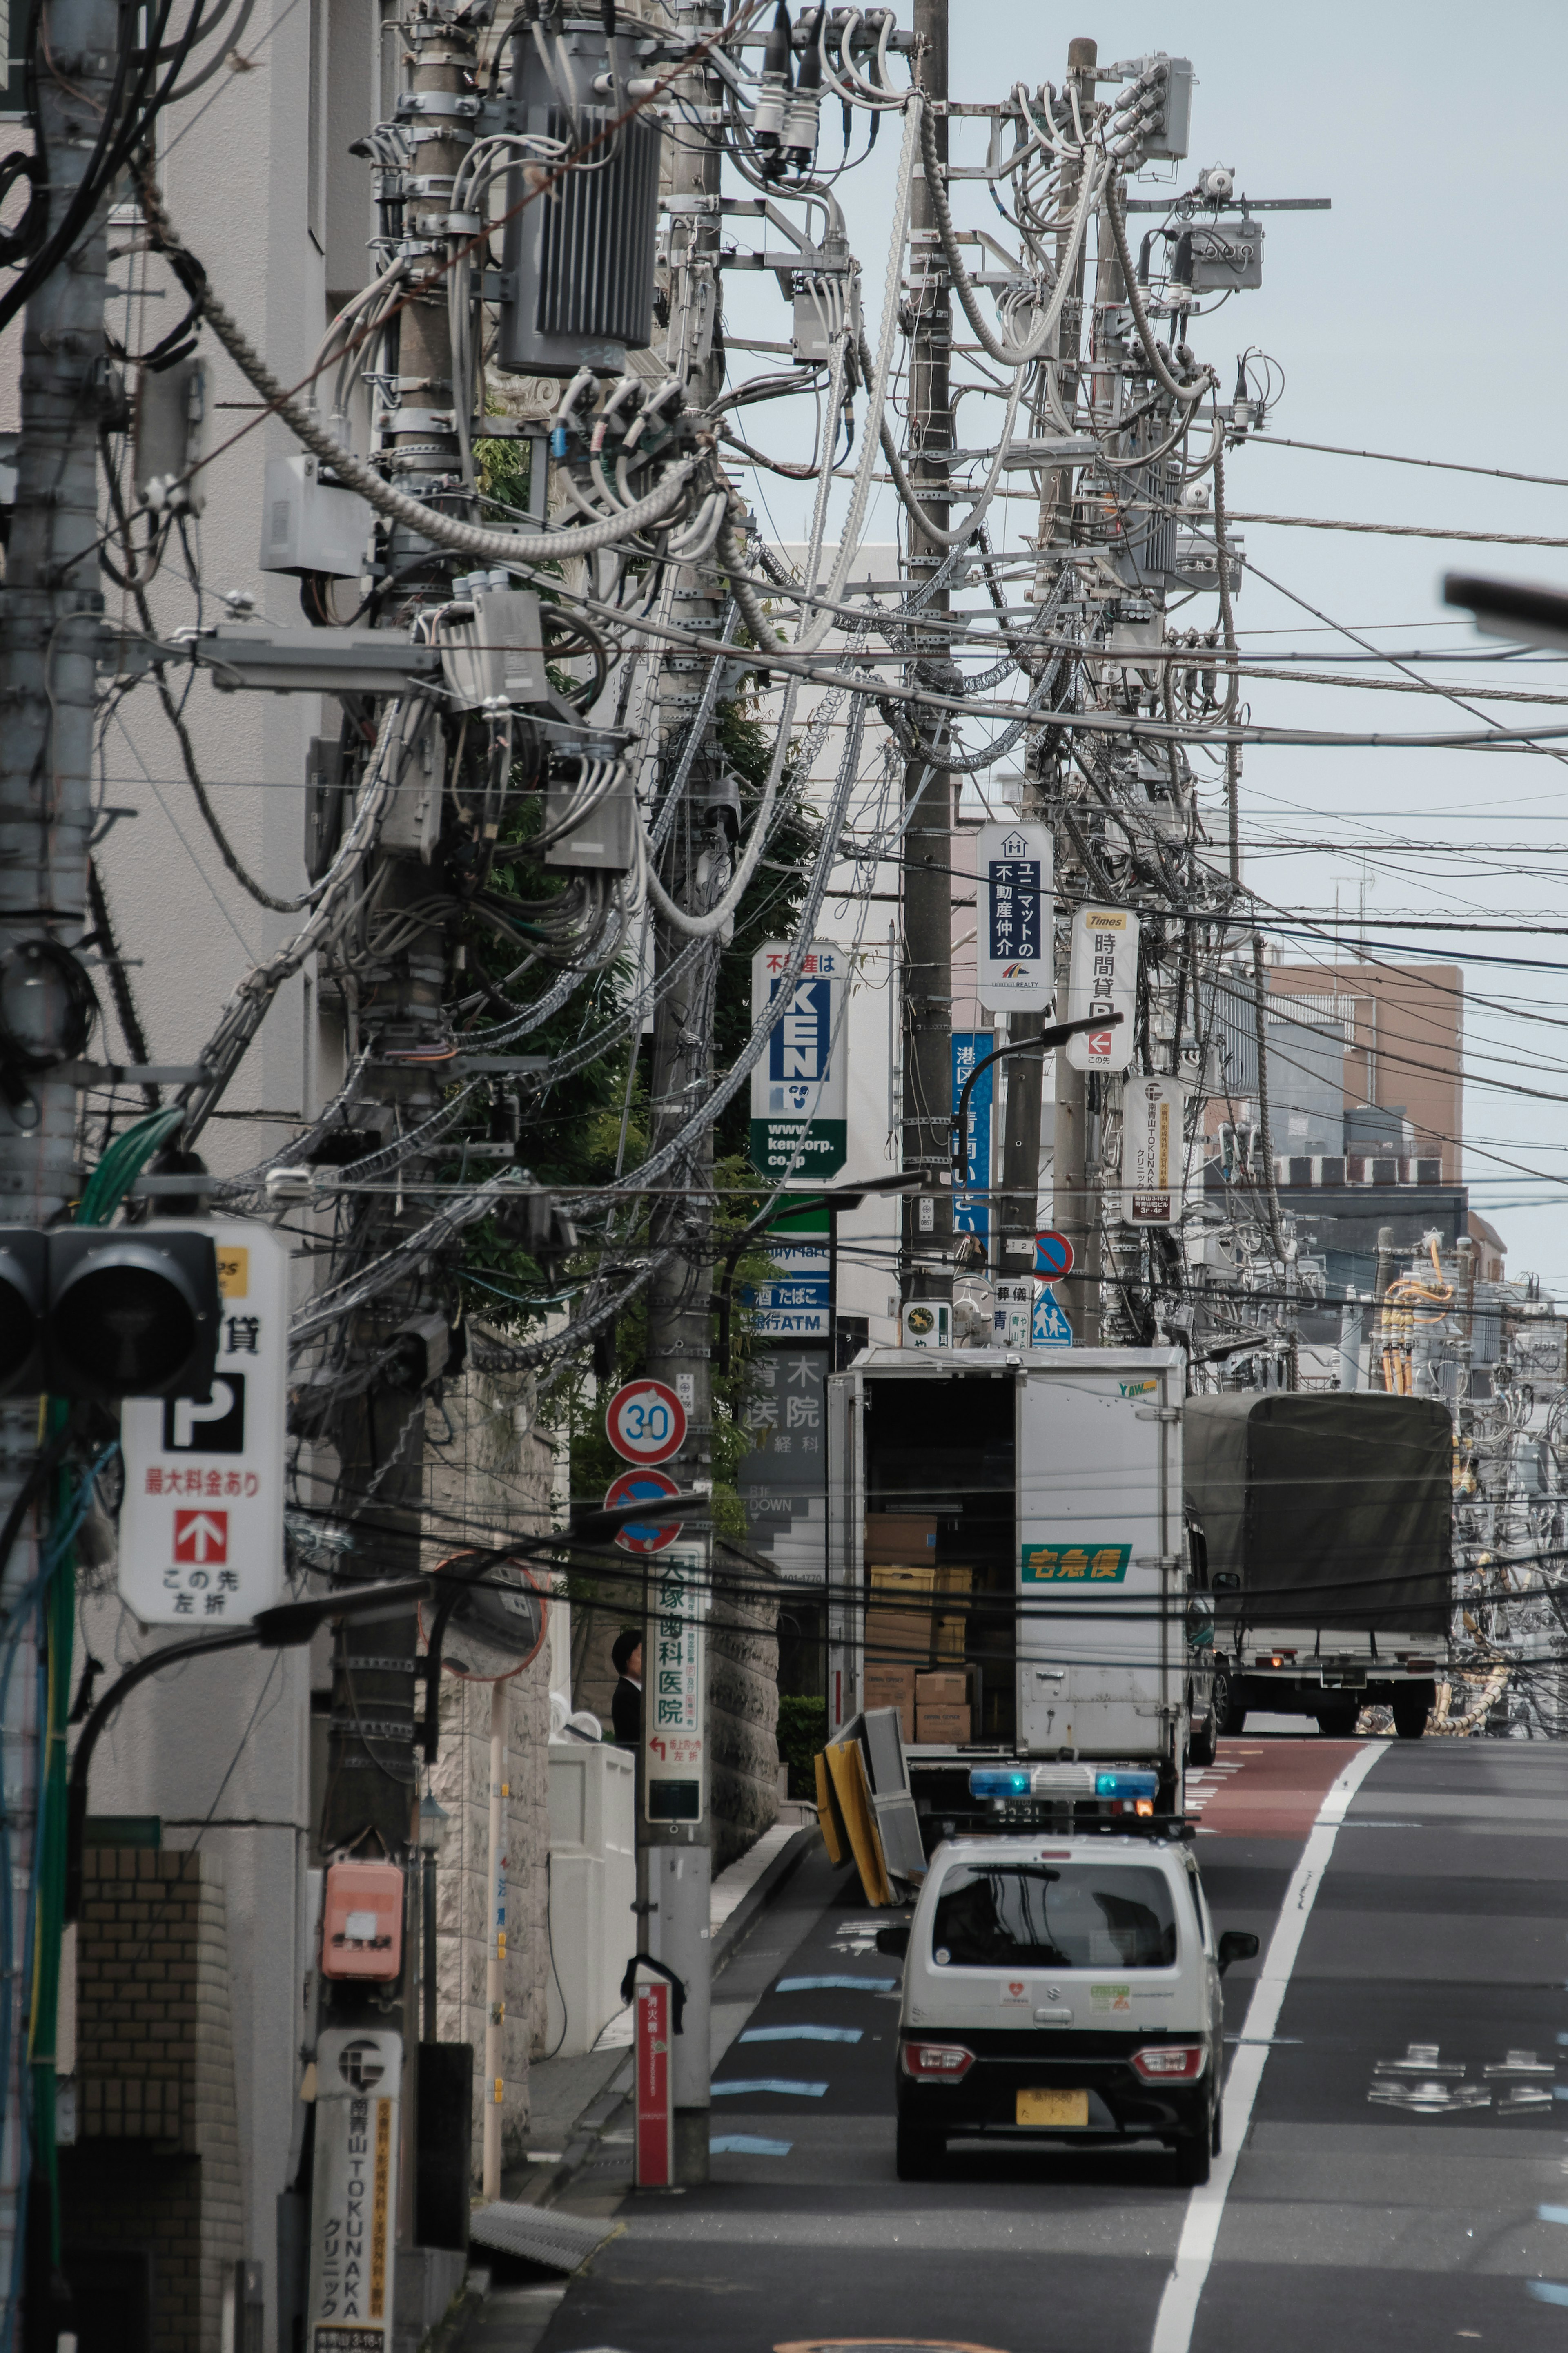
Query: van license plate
{"x": 1052, "y": 2107}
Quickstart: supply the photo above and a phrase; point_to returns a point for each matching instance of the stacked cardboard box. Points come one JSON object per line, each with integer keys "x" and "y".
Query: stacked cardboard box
{"x": 945, "y": 1701}
{"x": 908, "y": 1539}
{"x": 899, "y": 1613}
{"x": 887, "y": 1687}
{"x": 952, "y": 1625}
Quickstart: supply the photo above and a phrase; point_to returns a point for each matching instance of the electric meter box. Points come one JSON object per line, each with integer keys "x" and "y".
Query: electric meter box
{"x": 1219, "y": 257}
{"x": 362, "y": 1921}
{"x": 577, "y": 262}
{"x": 309, "y": 525}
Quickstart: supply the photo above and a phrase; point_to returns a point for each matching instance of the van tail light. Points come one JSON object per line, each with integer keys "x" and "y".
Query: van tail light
{"x": 935, "y": 2062}
{"x": 1171, "y": 2062}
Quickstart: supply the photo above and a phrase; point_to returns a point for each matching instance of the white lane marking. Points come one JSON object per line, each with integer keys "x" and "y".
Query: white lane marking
{"x": 1205, "y": 2207}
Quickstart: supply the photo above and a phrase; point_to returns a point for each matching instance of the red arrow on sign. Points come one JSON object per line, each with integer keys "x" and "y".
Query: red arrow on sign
{"x": 201, "y": 1536}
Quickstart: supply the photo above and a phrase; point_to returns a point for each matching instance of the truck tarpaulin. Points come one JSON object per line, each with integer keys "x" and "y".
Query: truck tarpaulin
{"x": 1334, "y": 1510}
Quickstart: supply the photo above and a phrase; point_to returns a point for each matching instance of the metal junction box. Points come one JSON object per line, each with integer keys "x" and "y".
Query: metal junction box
{"x": 578, "y": 255}
{"x": 1221, "y": 256}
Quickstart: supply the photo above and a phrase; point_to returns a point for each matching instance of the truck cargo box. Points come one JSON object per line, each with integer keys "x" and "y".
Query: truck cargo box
{"x": 1332, "y": 1510}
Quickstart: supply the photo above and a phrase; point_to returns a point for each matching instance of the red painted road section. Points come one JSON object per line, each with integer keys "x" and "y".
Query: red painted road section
{"x": 1278, "y": 1789}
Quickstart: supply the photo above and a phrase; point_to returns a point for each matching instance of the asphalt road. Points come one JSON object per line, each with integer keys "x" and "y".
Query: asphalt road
{"x": 1439, "y": 1917}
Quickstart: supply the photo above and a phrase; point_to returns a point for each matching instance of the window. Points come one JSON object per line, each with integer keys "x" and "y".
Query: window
{"x": 1044, "y": 1916}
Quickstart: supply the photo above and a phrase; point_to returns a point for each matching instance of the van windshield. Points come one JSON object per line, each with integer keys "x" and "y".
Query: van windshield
{"x": 1067, "y": 1916}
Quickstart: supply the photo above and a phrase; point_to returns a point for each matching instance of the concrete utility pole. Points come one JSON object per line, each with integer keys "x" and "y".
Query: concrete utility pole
{"x": 1074, "y": 1186}
{"x": 372, "y": 1782}
{"x": 674, "y": 1867}
{"x": 926, "y": 1261}
{"x": 50, "y": 610}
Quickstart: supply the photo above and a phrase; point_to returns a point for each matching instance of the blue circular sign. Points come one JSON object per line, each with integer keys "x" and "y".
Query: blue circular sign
{"x": 1053, "y": 1256}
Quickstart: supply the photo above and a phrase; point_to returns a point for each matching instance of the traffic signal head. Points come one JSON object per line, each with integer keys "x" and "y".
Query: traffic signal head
{"x": 106, "y": 1313}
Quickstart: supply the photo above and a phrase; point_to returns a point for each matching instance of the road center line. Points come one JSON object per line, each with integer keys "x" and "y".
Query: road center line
{"x": 1205, "y": 2207}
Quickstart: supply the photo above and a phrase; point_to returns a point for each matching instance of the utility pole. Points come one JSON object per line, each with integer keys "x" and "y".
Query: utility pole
{"x": 674, "y": 1857}
{"x": 926, "y": 1261}
{"x": 372, "y": 1782}
{"x": 1074, "y": 1186}
{"x": 51, "y": 607}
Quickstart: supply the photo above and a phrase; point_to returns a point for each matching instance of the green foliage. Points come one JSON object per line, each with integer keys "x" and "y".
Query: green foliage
{"x": 803, "y": 1731}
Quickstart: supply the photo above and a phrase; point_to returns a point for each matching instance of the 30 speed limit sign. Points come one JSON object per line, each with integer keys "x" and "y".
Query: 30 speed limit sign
{"x": 645, "y": 1422}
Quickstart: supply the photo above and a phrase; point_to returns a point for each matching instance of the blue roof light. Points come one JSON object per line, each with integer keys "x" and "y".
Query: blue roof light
{"x": 998, "y": 1781}
{"x": 1126, "y": 1785}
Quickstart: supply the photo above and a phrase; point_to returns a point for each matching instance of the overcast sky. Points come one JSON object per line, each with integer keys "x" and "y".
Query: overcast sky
{"x": 1423, "y": 315}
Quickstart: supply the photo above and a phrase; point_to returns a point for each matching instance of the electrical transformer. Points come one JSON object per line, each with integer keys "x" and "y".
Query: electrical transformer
{"x": 1211, "y": 258}
{"x": 578, "y": 255}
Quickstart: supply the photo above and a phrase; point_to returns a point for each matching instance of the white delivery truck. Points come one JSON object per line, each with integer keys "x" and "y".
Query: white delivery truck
{"x": 1323, "y": 1522}
{"x": 1006, "y": 1531}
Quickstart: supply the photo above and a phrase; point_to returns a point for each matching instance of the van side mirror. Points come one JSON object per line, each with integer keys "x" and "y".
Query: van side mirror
{"x": 1237, "y": 1945}
{"x": 896, "y": 1940}
{"x": 1226, "y": 1580}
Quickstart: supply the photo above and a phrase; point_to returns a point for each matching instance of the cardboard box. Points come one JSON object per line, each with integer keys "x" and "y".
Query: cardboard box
{"x": 887, "y": 1687}
{"x": 951, "y": 1578}
{"x": 909, "y": 1579}
{"x": 894, "y": 1637}
{"x": 905, "y": 1536}
{"x": 952, "y": 1637}
{"x": 942, "y": 1687}
{"x": 949, "y": 1726}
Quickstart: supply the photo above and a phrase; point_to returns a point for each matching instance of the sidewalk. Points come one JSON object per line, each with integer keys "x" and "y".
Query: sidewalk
{"x": 571, "y": 2101}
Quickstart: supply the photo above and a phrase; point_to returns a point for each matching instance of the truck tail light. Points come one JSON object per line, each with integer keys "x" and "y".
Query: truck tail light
{"x": 1171, "y": 2062}
{"x": 935, "y": 2062}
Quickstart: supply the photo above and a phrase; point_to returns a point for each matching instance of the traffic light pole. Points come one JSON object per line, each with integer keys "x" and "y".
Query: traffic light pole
{"x": 50, "y": 620}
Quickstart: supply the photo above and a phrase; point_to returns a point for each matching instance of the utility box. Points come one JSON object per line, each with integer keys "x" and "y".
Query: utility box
{"x": 362, "y": 1921}
{"x": 170, "y": 431}
{"x": 577, "y": 261}
{"x": 1221, "y": 256}
{"x": 309, "y": 525}
{"x": 592, "y": 1889}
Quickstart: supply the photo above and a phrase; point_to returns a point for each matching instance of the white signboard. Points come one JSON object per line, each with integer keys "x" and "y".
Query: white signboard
{"x": 1103, "y": 978}
{"x": 800, "y": 1093}
{"x": 1013, "y": 934}
{"x": 674, "y": 1701}
{"x": 353, "y": 2196}
{"x": 927, "y": 1324}
{"x": 1153, "y": 1151}
{"x": 201, "y": 1528}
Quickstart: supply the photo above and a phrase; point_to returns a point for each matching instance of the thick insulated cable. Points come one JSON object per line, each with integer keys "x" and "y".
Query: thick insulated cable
{"x": 1007, "y": 354}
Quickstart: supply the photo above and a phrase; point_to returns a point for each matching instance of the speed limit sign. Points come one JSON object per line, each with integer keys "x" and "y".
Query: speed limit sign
{"x": 645, "y": 1422}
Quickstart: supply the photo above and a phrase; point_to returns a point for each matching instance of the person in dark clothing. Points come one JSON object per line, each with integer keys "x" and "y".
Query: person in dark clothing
{"x": 625, "y": 1705}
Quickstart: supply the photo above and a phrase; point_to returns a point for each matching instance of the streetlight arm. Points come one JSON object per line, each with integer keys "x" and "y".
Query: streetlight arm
{"x": 958, "y": 1126}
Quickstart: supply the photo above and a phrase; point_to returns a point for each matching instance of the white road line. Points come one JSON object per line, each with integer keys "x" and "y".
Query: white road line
{"x": 1205, "y": 2207}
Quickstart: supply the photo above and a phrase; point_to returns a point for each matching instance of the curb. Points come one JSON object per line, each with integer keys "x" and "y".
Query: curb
{"x": 784, "y": 1864}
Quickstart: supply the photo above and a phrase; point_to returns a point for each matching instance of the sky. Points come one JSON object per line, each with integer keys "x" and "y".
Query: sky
{"x": 1421, "y": 316}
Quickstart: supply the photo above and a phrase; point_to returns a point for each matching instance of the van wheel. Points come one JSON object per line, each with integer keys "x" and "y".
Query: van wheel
{"x": 1228, "y": 1704}
{"x": 1193, "y": 2160}
{"x": 1215, "y": 2130}
{"x": 1203, "y": 1743}
{"x": 918, "y": 2154}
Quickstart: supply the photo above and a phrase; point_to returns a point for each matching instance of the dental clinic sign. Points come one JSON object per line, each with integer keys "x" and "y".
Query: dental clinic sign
{"x": 799, "y": 1094}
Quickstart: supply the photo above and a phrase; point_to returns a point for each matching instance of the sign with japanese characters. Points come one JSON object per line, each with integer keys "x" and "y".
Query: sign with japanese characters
{"x": 1014, "y": 941}
{"x": 674, "y": 1701}
{"x": 799, "y": 1092}
{"x": 1153, "y": 1151}
{"x": 353, "y": 2191}
{"x": 201, "y": 1528}
{"x": 972, "y": 1208}
{"x": 782, "y": 1478}
{"x": 1075, "y": 1564}
{"x": 1103, "y": 978}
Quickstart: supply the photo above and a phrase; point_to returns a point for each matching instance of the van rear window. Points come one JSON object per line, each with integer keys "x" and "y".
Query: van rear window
{"x": 1072, "y": 1915}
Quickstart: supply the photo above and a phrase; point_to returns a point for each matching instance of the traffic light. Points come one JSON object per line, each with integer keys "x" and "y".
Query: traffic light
{"x": 106, "y": 1313}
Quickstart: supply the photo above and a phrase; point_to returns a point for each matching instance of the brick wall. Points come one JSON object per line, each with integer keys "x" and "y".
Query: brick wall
{"x": 156, "y": 2161}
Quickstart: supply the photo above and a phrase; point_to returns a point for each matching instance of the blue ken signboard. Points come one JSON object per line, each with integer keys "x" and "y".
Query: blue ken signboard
{"x": 1014, "y": 952}
{"x": 799, "y": 1094}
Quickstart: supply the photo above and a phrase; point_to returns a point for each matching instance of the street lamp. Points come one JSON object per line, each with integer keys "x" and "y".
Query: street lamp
{"x": 286, "y": 1628}
{"x": 434, "y": 1820}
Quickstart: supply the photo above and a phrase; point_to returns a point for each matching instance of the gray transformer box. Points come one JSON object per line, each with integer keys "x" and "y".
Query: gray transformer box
{"x": 1219, "y": 257}
{"x": 577, "y": 261}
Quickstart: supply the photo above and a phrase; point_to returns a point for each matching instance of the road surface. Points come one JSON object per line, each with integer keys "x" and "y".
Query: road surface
{"x": 1439, "y": 1917}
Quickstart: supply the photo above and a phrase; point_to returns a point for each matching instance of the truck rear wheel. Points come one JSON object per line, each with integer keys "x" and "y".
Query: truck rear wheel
{"x": 1412, "y": 1706}
{"x": 1227, "y": 1702}
{"x": 1338, "y": 1718}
